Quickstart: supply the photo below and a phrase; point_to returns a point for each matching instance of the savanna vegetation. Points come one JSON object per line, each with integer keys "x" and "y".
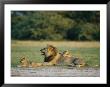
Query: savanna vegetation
{"x": 55, "y": 25}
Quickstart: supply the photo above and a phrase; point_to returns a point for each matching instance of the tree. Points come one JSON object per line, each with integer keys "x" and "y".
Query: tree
{"x": 55, "y": 25}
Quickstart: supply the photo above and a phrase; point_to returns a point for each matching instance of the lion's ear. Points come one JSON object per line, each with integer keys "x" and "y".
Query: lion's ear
{"x": 48, "y": 45}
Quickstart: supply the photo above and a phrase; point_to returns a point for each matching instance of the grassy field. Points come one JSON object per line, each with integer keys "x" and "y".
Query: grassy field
{"x": 89, "y": 51}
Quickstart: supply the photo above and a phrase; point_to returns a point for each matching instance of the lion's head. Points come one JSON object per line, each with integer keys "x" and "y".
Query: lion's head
{"x": 24, "y": 62}
{"x": 49, "y": 52}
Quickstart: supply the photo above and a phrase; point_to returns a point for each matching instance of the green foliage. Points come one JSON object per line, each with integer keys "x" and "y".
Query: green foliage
{"x": 55, "y": 25}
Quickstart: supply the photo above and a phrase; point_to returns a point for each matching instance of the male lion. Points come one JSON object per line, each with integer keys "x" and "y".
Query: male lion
{"x": 52, "y": 56}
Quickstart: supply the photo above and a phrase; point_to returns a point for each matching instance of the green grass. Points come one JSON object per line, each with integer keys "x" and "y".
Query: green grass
{"x": 89, "y": 51}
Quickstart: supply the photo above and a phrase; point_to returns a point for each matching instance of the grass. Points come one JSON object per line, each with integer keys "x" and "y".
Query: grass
{"x": 89, "y": 51}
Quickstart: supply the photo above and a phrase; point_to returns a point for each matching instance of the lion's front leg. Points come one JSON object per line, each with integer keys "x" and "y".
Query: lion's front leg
{"x": 34, "y": 65}
{"x": 48, "y": 64}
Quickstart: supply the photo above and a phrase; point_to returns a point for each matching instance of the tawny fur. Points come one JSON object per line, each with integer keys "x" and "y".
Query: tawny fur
{"x": 24, "y": 62}
{"x": 69, "y": 59}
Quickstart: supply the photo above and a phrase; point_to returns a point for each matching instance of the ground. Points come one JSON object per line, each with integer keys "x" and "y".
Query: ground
{"x": 55, "y": 71}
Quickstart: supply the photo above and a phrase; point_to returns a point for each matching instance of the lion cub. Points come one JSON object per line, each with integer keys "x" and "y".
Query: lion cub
{"x": 24, "y": 62}
{"x": 71, "y": 60}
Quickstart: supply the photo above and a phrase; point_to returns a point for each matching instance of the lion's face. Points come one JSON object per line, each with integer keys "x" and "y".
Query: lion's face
{"x": 49, "y": 52}
{"x": 24, "y": 61}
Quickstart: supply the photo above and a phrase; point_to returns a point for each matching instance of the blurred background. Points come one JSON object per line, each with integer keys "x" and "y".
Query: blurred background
{"x": 55, "y": 25}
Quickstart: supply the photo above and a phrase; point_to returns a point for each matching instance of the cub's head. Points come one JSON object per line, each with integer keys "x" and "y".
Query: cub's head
{"x": 24, "y": 61}
{"x": 66, "y": 54}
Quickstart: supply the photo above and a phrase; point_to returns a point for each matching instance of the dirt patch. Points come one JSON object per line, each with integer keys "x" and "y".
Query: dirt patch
{"x": 55, "y": 71}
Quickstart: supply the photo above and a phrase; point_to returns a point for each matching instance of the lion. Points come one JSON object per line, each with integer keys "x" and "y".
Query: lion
{"x": 51, "y": 54}
{"x": 24, "y": 62}
{"x": 71, "y": 60}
